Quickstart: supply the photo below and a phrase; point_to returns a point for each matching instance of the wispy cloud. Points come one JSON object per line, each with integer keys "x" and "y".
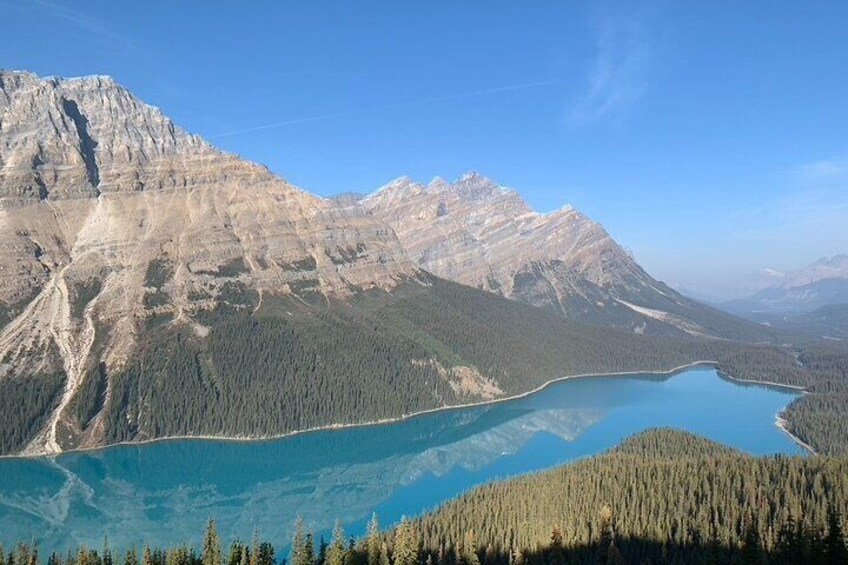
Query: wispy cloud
{"x": 85, "y": 22}
{"x": 824, "y": 170}
{"x": 389, "y": 106}
{"x": 618, "y": 74}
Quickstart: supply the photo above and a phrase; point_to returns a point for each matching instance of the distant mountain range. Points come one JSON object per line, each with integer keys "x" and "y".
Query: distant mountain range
{"x": 835, "y": 267}
{"x": 780, "y": 301}
{"x": 805, "y": 290}
{"x": 152, "y": 285}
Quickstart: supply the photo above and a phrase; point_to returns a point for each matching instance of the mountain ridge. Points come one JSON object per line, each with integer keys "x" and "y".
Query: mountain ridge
{"x": 152, "y": 285}
{"x": 790, "y": 301}
{"x": 835, "y": 266}
{"x": 478, "y": 233}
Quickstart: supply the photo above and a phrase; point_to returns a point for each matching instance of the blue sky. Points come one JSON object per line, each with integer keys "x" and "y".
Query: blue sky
{"x": 710, "y": 138}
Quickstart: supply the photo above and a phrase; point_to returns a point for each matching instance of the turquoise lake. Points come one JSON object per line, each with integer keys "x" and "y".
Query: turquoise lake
{"x": 164, "y": 492}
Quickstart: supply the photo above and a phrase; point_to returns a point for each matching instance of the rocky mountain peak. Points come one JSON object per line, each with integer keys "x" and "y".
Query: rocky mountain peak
{"x": 470, "y": 191}
{"x": 82, "y": 137}
{"x": 111, "y": 215}
{"x": 475, "y": 187}
{"x": 481, "y": 234}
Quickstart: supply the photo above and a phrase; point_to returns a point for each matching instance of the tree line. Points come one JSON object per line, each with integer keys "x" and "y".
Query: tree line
{"x": 245, "y": 369}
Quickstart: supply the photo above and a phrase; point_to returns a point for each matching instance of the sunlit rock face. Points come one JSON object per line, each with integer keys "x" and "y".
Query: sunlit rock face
{"x": 110, "y": 213}
{"x": 92, "y": 175}
{"x": 480, "y": 234}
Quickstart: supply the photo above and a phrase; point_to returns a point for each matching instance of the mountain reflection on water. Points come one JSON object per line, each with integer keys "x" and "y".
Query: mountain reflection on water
{"x": 164, "y": 492}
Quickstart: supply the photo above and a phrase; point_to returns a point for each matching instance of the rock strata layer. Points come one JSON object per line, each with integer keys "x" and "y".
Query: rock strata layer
{"x": 110, "y": 214}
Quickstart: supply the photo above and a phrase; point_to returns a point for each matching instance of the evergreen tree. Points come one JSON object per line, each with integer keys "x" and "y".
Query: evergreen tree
{"x": 375, "y": 541}
{"x": 811, "y": 548}
{"x": 607, "y": 536}
{"x": 212, "y": 546}
{"x": 835, "y": 551}
{"x": 384, "y": 554}
{"x": 310, "y": 549}
{"x": 406, "y": 544}
{"x": 469, "y": 554}
{"x": 131, "y": 557}
{"x": 83, "y": 557}
{"x": 336, "y": 552}
{"x": 322, "y": 551}
{"x": 298, "y": 545}
{"x": 180, "y": 556}
{"x": 107, "y": 553}
{"x": 356, "y": 554}
{"x": 788, "y": 540}
{"x": 751, "y": 552}
{"x": 234, "y": 556}
{"x": 254, "y": 548}
{"x": 266, "y": 556}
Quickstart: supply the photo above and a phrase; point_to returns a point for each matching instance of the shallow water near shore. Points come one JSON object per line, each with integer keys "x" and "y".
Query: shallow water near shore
{"x": 164, "y": 492}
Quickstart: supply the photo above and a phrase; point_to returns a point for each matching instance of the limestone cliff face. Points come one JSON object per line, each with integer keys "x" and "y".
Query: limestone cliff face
{"x": 110, "y": 213}
{"x": 480, "y": 234}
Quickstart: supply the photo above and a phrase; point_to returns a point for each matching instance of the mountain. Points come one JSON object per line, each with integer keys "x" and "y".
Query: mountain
{"x": 789, "y": 301}
{"x": 792, "y": 293}
{"x": 154, "y": 286}
{"x": 111, "y": 215}
{"x": 483, "y": 235}
{"x": 95, "y": 183}
{"x": 835, "y": 267}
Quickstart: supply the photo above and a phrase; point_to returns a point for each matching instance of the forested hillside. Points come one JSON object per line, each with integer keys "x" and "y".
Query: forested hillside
{"x": 663, "y": 496}
{"x": 312, "y": 363}
{"x": 258, "y": 368}
{"x": 306, "y": 363}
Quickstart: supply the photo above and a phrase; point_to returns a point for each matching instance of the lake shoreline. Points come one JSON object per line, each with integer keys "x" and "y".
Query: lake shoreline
{"x": 779, "y": 420}
{"x": 783, "y": 424}
{"x": 384, "y": 421}
{"x": 772, "y": 384}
